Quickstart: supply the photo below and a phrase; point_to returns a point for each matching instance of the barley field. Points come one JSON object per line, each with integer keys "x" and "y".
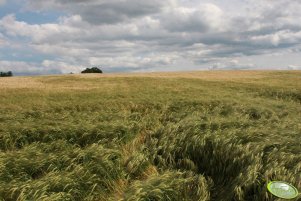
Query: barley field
{"x": 186, "y": 136}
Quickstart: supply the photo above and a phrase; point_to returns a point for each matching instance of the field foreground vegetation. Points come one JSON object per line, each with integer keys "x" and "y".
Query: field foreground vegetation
{"x": 146, "y": 137}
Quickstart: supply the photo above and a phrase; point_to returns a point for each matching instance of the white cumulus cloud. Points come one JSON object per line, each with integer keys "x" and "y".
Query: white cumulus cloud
{"x": 136, "y": 35}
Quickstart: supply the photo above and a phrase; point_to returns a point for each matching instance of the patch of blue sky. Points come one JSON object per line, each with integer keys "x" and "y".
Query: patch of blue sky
{"x": 29, "y": 16}
{"x": 23, "y": 54}
{"x": 38, "y": 17}
{"x": 37, "y": 73}
{"x": 9, "y": 8}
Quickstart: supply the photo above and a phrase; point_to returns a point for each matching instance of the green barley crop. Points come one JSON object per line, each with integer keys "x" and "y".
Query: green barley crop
{"x": 150, "y": 138}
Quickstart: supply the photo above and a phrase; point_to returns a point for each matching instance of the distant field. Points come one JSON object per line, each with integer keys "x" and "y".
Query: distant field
{"x": 216, "y": 135}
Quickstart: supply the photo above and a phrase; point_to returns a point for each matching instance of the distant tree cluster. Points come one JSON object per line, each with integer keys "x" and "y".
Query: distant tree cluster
{"x": 92, "y": 70}
{"x": 6, "y": 74}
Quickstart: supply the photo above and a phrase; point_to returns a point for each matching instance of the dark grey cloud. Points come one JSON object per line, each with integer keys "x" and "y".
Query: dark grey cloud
{"x": 103, "y": 11}
{"x": 112, "y": 12}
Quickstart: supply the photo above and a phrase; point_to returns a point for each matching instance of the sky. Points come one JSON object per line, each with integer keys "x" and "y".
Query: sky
{"x": 63, "y": 36}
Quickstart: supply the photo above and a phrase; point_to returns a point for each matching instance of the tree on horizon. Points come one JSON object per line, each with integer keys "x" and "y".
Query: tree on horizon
{"x": 92, "y": 70}
{"x": 6, "y": 74}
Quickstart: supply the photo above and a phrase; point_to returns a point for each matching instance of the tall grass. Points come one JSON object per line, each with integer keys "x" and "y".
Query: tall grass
{"x": 150, "y": 138}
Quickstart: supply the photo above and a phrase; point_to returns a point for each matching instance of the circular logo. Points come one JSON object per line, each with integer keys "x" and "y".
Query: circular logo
{"x": 282, "y": 190}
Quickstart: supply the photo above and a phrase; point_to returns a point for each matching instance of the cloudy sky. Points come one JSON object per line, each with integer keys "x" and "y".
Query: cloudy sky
{"x": 63, "y": 36}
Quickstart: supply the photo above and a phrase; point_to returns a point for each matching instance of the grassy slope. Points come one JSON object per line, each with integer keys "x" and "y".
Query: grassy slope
{"x": 168, "y": 136}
